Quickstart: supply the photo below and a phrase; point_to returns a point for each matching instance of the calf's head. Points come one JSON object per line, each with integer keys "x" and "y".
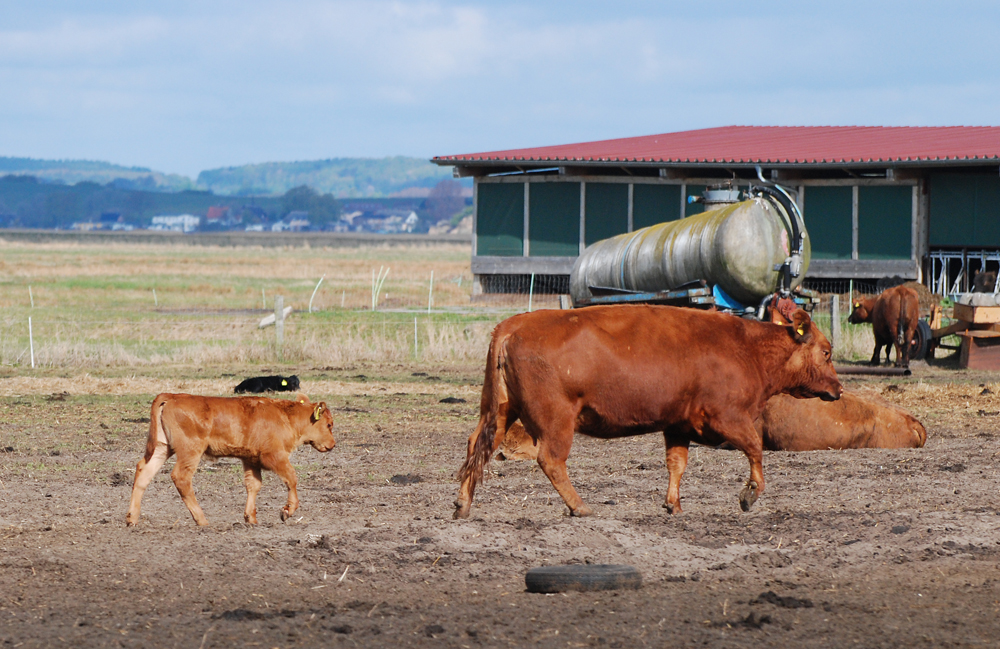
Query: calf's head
{"x": 318, "y": 433}
{"x": 811, "y": 364}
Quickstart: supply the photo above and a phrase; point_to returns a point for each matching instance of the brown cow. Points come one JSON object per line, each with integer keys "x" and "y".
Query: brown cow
{"x": 894, "y": 316}
{"x": 790, "y": 424}
{"x": 614, "y": 371}
{"x": 261, "y": 432}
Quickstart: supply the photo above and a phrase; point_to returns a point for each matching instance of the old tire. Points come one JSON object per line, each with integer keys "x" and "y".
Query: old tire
{"x": 922, "y": 341}
{"x": 558, "y": 579}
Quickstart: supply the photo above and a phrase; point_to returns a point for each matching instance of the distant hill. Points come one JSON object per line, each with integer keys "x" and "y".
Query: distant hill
{"x": 342, "y": 177}
{"x": 70, "y": 172}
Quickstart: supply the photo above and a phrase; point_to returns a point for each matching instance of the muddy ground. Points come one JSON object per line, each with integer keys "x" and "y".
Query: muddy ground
{"x": 871, "y": 548}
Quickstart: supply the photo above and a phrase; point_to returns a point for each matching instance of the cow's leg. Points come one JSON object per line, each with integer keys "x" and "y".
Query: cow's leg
{"x": 286, "y": 472}
{"x": 740, "y": 432}
{"x": 182, "y": 475}
{"x": 144, "y": 473}
{"x": 677, "y": 458}
{"x": 252, "y": 479}
{"x": 553, "y": 451}
{"x": 877, "y": 356}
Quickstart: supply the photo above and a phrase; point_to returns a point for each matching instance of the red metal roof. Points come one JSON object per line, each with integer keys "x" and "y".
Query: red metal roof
{"x": 770, "y": 145}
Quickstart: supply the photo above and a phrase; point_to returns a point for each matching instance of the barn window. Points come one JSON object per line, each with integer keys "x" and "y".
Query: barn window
{"x": 500, "y": 219}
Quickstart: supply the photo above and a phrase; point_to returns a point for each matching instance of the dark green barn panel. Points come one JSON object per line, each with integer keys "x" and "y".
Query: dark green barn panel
{"x": 885, "y": 222}
{"x": 554, "y": 219}
{"x": 500, "y": 219}
{"x": 606, "y": 211}
{"x": 690, "y": 209}
{"x": 964, "y": 210}
{"x": 828, "y": 220}
{"x": 652, "y": 204}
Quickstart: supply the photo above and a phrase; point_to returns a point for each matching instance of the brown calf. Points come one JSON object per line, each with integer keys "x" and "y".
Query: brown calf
{"x": 788, "y": 424}
{"x": 893, "y": 315}
{"x": 259, "y": 431}
{"x": 614, "y": 371}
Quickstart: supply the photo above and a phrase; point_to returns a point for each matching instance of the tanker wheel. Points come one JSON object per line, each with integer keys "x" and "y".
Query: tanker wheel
{"x": 922, "y": 340}
{"x": 581, "y": 577}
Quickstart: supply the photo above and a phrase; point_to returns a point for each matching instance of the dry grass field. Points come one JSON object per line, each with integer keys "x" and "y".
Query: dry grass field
{"x": 874, "y": 548}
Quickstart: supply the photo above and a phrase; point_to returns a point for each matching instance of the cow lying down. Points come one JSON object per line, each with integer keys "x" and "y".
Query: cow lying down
{"x": 259, "y": 431}
{"x": 790, "y": 424}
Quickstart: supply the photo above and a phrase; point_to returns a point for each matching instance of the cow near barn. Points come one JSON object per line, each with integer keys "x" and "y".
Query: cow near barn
{"x": 261, "y": 432}
{"x": 615, "y": 371}
{"x": 894, "y": 315}
{"x": 790, "y": 424}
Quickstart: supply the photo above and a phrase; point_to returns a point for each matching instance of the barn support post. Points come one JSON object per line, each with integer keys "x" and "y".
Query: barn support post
{"x": 279, "y": 324}
{"x": 834, "y": 320}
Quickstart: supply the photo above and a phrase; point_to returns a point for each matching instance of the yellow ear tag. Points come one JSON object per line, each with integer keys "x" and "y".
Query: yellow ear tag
{"x": 284, "y": 382}
{"x": 302, "y": 400}
{"x": 801, "y": 330}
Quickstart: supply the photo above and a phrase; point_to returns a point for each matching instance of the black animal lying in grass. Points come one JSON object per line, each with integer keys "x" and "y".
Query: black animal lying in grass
{"x": 268, "y": 384}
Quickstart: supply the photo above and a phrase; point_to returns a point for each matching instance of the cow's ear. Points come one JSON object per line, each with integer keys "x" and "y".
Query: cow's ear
{"x": 318, "y": 412}
{"x": 801, "y": 327}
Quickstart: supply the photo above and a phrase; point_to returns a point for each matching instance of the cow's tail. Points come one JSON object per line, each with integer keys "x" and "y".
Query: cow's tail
{"x": 157, "y": 431}
{"x": 488, "y": 434}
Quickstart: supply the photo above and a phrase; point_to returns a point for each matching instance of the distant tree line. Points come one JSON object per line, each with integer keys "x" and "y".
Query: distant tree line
{"x": 27, "y": 202}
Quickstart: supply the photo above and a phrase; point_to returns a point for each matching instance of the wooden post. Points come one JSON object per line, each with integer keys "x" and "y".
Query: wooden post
{"x": 430, "y": 293}
{"x": 279, "y": 323}
{"x": 834, "y": 320}
{"x": 31, "y": 343}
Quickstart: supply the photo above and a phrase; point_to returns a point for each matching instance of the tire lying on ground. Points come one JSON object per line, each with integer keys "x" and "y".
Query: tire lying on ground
{"x": 558, "y": 579}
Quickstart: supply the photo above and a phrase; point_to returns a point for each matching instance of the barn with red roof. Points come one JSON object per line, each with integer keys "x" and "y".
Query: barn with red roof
{"x": 915, "y": 202}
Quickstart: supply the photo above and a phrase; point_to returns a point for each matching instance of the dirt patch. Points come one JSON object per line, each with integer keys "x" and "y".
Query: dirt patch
{"x": 865, "y": 548}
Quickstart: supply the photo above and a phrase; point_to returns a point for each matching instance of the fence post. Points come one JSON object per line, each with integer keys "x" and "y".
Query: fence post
{"x": 415, "y": 351}
{"x": 279, "y": 324}
{"x": 430, "y": 293}
{"x": 31, "y": 343}
{"x": 834, "y": 320}
{"x": 531, "y": 291}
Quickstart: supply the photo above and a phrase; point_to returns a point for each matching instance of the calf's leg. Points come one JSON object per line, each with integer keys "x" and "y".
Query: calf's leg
{"x": 182, "y": 474}
{"x": 252, "y": 479}
{"x": 677, "y": 458}
{"x": 286, "y": 472}
{"x": 144, "y": 473}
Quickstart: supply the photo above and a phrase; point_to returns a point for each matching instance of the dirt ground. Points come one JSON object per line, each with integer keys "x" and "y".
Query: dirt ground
{"x": 874, "y": 548}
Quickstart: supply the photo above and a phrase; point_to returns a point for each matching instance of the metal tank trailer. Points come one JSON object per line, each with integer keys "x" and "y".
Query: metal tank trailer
{"x": 745, "y": 248}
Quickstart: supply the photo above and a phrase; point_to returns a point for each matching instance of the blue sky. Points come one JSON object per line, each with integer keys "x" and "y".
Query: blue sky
{"x": 181, "y": 86}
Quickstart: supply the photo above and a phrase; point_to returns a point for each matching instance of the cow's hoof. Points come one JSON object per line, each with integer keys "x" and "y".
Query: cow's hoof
{"x": 748, "y": 496}
{"x": 285, "y": 515}
{"x": 672, "y": 508}
{"x": 582, "y": 510}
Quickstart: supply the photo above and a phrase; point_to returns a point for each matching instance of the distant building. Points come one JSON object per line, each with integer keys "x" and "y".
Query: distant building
{"x": 176, "y": 223}
{"x": 221, "y": 217}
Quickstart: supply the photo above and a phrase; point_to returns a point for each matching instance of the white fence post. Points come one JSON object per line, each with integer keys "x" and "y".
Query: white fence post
{"x": 279, "y": 322}
{"x": 31, "y": 343}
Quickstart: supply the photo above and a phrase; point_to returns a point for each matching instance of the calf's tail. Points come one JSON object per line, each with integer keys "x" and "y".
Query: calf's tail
{"x": 495, "y": 398}
{"x": 157, "y": 432}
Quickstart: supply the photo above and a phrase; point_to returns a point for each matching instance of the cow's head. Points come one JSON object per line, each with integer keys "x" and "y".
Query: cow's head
{"x": 861, "y": 310}
{"x": 319, "y": 432}
{"x": 811, "y": 364}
